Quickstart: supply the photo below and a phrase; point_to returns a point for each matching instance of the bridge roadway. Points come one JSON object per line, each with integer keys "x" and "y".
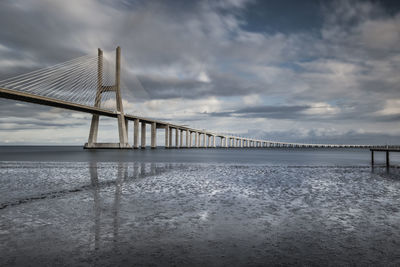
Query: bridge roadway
{"x": 208, "y": 138}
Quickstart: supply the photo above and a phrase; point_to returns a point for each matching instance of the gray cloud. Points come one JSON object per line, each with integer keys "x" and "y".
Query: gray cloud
{"x": 209, "y": 49}
{"x": 272, "y": 112}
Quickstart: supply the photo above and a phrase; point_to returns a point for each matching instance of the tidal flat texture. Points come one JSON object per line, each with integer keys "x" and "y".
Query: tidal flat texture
{"x": 166, "y": 214}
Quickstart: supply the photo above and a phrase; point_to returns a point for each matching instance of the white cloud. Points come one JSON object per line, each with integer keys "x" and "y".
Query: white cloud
{"x": 253, "y": 99}
{"x": 321, "y": 108}
{"x": 392, "y": 107}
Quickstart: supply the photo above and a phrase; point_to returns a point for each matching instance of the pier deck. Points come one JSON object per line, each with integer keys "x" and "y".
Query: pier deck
{"x": 386, "y": 150}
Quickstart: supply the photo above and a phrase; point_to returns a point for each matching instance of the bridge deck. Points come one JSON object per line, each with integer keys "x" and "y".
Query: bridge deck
{"x": 52, "y": 102}
{"x": 42, "y": 100}
{"x": 386, "y": 149}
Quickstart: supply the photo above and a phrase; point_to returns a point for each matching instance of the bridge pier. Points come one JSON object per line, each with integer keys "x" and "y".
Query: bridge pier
{"x": 143, "y": 136}
{"x": 176, "y": 138}
{"x": 153, "y": 135}
{"x": 136, "y": 134}
{"x": 187, "y": 139}
{"x": 167, "y": 138}
{"x": 196, "y": 139}
{"x": 170, "y": 137}
{"x": 181, "y": 138}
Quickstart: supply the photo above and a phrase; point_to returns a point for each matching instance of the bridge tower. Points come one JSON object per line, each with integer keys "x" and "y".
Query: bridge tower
{"x": 122, "y": 122}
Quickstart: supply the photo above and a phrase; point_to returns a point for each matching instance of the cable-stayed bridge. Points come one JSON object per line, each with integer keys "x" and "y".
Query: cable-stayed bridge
{"x": 87, "y": 84}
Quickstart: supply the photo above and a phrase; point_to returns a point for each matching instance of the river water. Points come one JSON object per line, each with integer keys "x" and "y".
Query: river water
{"x": 205, "y": 207}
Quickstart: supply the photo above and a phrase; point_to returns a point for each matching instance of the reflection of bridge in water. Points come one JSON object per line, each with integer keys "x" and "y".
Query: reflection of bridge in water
{"x": 126, "y": 172}
{"x": 83, "y": 85}
{"x": 139, "y": 170}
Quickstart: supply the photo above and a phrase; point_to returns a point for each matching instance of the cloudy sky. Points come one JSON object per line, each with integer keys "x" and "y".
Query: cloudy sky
{"x": 301, "y": 71}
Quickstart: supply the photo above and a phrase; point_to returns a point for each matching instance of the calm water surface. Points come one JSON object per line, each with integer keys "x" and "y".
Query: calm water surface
{"x": 206, "y": 207}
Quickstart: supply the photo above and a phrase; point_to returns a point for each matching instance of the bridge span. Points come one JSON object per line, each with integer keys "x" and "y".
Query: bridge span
{"x": 74, "y": 85}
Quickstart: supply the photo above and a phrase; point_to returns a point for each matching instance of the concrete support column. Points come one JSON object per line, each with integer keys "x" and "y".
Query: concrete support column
{"x": 187, "y": 138}
{"x": 196, "y": 139}
{"x": 190, "y": 139}
{"x": 166, "y": 136}
{"x": 170, "y": 137}
{"x": 241, "y": 142}
{"x": 136, "y": 133}
{"x": 214, "y": 143}
{"x": 153, "y": 135}
{"x": 181, "y": 138}
{"x": 123, "y": 139}
{"x": 372, "y": 158}
{"x": 176, "y": 138}
{"x": 126, "y": 128}
{"x": 143, "y": 136}
{"x": 204, "y": 140}
{"x": 387, "y": 159}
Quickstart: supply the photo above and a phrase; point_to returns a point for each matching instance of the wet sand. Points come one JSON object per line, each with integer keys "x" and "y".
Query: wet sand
{"x": 167, "y": 214}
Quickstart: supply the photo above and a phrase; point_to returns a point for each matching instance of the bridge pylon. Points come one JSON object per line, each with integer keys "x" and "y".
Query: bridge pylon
{"x": 122, "y": 122}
